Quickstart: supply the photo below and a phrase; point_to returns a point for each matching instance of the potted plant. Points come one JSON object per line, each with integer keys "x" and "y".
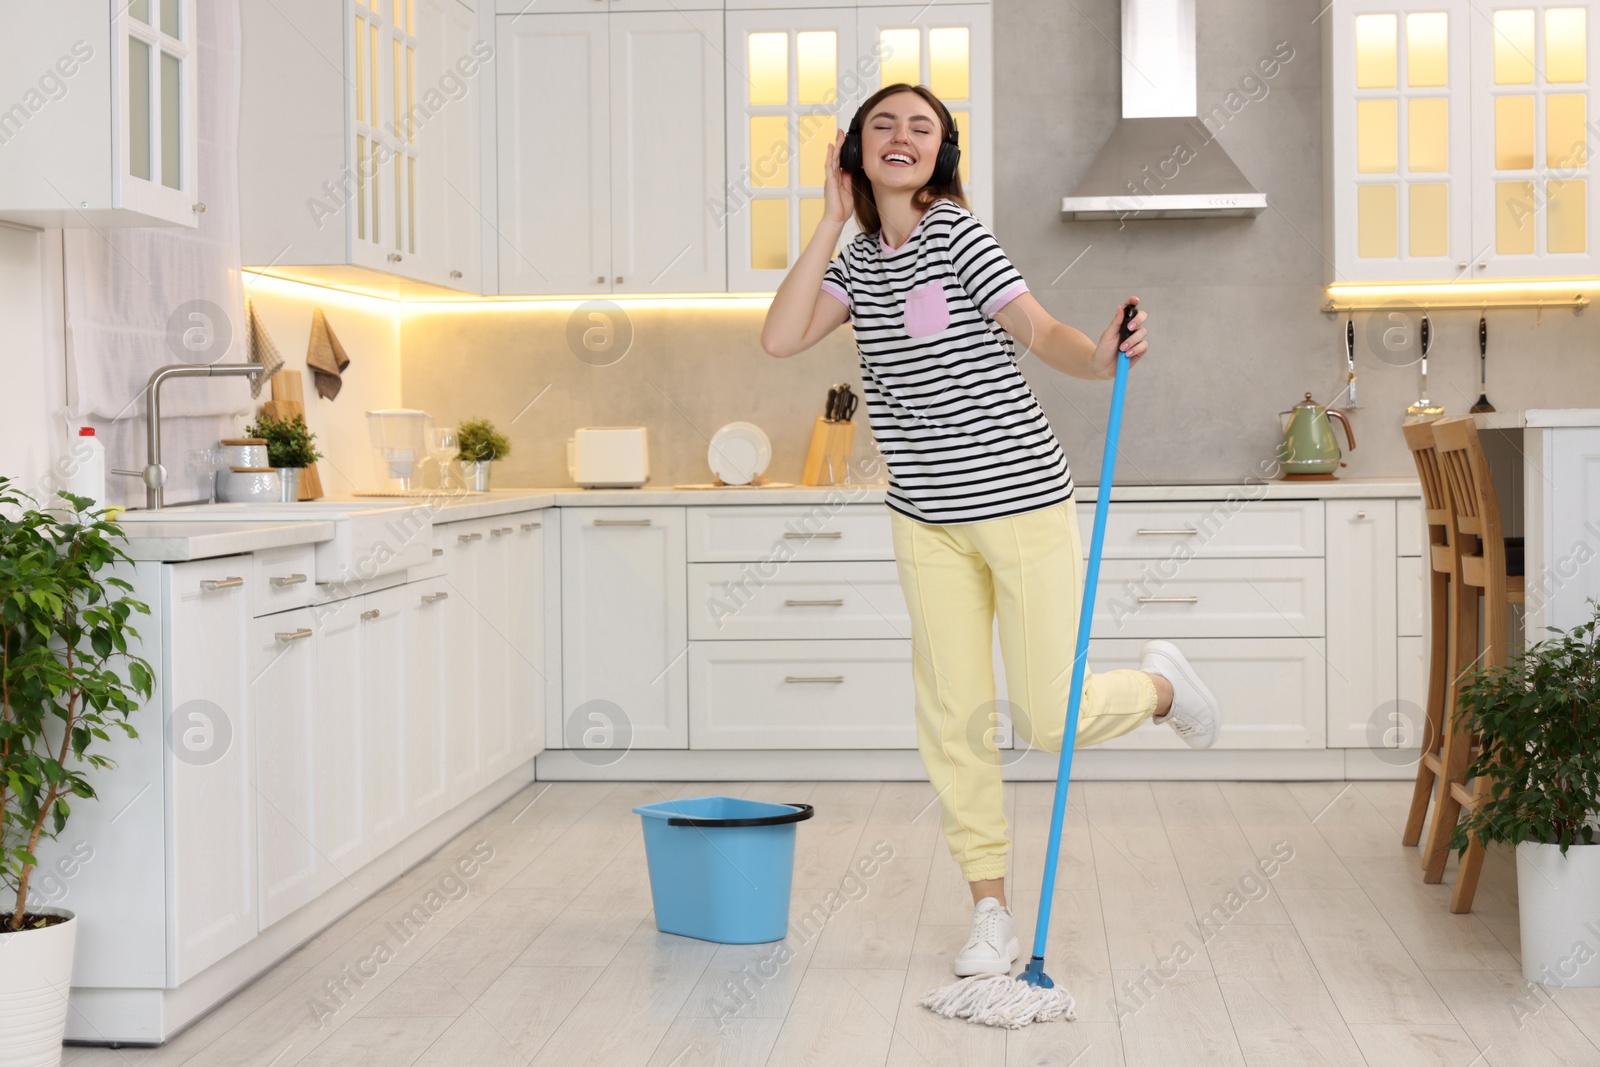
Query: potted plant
{"x": 66, "y": 681}
{"x": 481, "y": 444}
{"x": 1538, "y": 721}
{"x": 291, "y": 446}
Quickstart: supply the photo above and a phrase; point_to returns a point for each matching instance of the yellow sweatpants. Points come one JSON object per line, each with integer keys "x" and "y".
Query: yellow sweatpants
{"x": 1030, "y": 569}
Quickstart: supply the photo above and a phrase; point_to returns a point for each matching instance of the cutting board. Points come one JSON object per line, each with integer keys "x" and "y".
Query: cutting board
{"x": 288, "y": 400}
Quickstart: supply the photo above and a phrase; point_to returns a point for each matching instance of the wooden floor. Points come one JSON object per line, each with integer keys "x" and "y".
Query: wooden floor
{"x": 549, "y": 954}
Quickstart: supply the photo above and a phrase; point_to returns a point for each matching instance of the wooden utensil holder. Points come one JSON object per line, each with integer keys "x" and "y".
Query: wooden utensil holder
{"x": 828, "y": 457}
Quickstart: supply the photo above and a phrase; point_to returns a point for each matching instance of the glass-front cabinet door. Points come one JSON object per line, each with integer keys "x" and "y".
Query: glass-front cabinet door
{"x": 1401, "y": 141}
{"x": 156, "y": 116}
{"x": 384, "y": 156}
{"x": 1533, "y": 100}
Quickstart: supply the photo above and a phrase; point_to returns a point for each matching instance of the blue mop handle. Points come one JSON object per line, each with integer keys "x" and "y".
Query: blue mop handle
{"x": 1091, "y": 582}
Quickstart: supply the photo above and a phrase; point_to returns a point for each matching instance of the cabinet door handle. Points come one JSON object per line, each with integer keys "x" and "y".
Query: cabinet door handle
{"x": 501, "y": 531}
{"x": 368, "y": 616}
{"x": 434, "y": 598}
{"x": 619, "y": 279}
{"x": 221, "y": 583}
{"x": 455, "y": 274}
{"x": 600, "y": 280}
{"x": 834, "y": 535}
{"x": 814, "y": 603}
{"x": 394, "y": 257}
{"x": 283, "y": 580}
{"x": 295, "y": 636}
{"x": 531, "y": 526}
{"x": 1176, "y": 531}
{"x": 834, "y": 680}
{"x": 1361, "y": 514}
{"x": 1169, "y": 600}
{"x": 622, "y": 522}
{"x": 438, "y": 552}
{"x": 464, "y": 538}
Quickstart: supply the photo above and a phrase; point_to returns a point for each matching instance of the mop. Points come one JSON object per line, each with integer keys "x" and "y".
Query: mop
{"x": 999, "y": 999}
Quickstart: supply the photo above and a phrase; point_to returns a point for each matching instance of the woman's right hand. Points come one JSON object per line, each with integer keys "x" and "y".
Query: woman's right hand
{"x": 837, "y": 199}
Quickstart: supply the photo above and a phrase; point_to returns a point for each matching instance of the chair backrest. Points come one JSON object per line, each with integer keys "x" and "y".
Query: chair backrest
{"x": 1435, "y": 492}
{"x": 1471, "y": 491}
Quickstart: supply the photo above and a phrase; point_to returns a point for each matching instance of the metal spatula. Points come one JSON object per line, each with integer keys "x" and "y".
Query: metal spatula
{"x": 1424, "y": 406}
{"x": 1483, "y": 368}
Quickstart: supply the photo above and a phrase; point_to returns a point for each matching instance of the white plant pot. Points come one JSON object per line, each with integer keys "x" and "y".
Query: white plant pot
{"x": 1558, "y": 905}
{"x": 35, "y": 980}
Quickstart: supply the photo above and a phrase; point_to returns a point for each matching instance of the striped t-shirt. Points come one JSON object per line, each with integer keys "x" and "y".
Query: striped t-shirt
{"x": 962, "y": 432}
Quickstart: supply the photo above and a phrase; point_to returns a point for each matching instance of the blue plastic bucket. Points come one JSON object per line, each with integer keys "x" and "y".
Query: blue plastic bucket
{"x": 721, "y": 867}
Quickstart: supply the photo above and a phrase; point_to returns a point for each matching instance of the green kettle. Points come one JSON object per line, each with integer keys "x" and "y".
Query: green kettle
{"x": 1309, "y": 449}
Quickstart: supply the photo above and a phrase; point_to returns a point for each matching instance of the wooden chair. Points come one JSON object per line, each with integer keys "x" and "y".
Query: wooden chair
{"x": 1443, "y": 580}
{"x": 1481, "y": 554}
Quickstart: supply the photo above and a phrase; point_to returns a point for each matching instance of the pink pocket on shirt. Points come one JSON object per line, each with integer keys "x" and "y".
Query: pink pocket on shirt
{"x": 926, "y": 312}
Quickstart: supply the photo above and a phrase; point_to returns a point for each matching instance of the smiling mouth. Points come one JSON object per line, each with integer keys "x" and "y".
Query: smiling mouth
{"x": 898, "y": 159}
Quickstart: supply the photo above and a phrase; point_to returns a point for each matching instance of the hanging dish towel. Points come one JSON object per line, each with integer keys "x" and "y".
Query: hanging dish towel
{"x": 259, "y": 348}
{"x": 325, "y": 357}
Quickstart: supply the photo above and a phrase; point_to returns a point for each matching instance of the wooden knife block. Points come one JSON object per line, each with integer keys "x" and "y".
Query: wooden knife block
{"x": 828, "y": 457}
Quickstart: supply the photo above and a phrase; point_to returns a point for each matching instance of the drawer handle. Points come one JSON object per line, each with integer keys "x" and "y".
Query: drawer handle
{"x": 464, "y": 538}
{"x": 814, "y": 603}
{"x": 368, "y": 616}
{"x": 292, "y": 579}
{"x": 295, "y": 636}
{"x": 221, "y": 583}
{"x": 834, "y": 680}
{"x": 833, "y": 535}
{"x": 438, "y": 552}
{"x": 1361, "y": 514}
{"x": 531, "y": 526}
{"x": 434, "y": 598}
{"x": 1177, "y": 531}
{"x": 622, "y": 522}
{"x": 1169, "y": 600}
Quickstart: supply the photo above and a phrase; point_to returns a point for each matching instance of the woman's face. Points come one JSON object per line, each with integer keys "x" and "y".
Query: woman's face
{"x": 900, "y": 142}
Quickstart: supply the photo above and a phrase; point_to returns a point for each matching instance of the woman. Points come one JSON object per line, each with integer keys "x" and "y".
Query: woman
{"x": 980, "y": 494}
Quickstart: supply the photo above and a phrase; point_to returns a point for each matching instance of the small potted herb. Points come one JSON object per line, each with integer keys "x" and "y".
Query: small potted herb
{"x": 481, "y": 444}
{"x": 291, "y": 446}
{"x": 67, "y": 680}
{"x": 1538, "y": 721}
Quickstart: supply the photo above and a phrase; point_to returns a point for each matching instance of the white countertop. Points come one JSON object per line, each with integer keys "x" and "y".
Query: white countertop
{"x": 1517, "y": 420}
{"x": 151, "y": 539}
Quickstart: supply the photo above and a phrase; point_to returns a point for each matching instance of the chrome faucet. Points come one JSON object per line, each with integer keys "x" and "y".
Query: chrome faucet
{"x": 154, "y": 474}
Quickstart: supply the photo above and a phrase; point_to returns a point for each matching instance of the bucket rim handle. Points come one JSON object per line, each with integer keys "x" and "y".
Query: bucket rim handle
{"x": 803, "y": 812}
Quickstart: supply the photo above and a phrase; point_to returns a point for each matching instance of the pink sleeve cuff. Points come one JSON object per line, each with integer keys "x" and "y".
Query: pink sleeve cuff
{"x": 837, "y": 293}
{"x": 1004, "y": 297}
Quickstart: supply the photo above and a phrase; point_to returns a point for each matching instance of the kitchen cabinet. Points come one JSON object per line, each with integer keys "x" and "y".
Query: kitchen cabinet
{"x": 100, "y": 129}
{"x": 623, "y": 625}
{"x": 380, "y": 102}
{"x": 339, "y": 763}
{"x": 462, "y": 647}
{"x": 427, "y": 700}
{"x": 1363, "y": 621}
{"x": 211, "y": 855}
{"x": 1458, "y": 140}
{"x": 613, "y": 189}
{"x": 528, "y": 637}
{"x": 385, "y": 805}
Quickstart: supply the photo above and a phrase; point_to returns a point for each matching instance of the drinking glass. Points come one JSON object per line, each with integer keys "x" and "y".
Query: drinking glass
{"x": 443, "y": 444}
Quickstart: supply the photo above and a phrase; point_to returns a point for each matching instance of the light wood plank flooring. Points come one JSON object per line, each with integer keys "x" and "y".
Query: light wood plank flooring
{"x": 1178, "y": 946}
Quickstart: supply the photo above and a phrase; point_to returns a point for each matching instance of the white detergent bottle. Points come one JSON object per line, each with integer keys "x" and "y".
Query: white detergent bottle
{"x": 87, "y": 474}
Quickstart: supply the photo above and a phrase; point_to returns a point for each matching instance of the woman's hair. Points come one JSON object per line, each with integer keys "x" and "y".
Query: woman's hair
{"x": 861, "y": 188}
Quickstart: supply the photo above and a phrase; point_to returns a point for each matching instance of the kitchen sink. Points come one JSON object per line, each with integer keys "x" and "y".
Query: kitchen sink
{"x": 369, "y": 540}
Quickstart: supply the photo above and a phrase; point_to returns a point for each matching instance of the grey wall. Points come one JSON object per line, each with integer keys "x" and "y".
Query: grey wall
{"x": 1237, "y": 334}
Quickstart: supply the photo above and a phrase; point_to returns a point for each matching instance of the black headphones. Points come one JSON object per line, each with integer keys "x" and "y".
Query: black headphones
{"x": 944, "y": 167}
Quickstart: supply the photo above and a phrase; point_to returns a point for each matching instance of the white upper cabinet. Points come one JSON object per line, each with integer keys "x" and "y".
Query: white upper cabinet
{"x": 1457, "y": 141}
{"x": 379, "y": 99}
{"x": 100, "y": 122}
{"x": 610, "y": 152}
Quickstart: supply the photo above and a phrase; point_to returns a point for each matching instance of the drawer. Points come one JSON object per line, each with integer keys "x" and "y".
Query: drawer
{"x": 1411, "y": 597}
{"x": 1209, "y": 528}
{"x": 1210, "y": 598}
{"x": 741, "y": 533}
{"x": 283, "y": 578}
{"x": 796, "y": 601}
{"x": 801, "y": 694}
{"x": 1408, "y": 527}
{"x": 1272, "y": 691}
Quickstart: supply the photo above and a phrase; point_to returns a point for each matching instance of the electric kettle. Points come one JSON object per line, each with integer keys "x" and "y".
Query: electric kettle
{"x": 1309, "y": 449}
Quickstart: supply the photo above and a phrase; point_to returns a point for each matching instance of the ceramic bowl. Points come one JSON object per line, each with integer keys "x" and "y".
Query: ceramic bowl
{"x": 248, "y": 485}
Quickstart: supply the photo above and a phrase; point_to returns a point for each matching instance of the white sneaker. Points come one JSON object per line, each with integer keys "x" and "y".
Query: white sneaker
{"x": 1194, "y": 715}
{"x": 992, "y": 948}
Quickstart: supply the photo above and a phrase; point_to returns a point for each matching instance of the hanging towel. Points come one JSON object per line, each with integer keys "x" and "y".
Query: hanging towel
{"x": 325, "y": 356}
{"x": 259, "y": 348}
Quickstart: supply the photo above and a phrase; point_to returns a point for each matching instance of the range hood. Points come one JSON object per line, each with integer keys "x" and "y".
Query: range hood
{"x": 1161, "y": 162}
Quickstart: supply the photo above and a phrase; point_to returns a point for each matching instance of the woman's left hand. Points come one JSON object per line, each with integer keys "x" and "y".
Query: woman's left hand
{"x": 1105, "y": 353}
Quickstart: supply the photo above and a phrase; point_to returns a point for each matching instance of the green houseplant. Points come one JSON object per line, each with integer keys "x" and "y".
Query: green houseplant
{"x": 1538, "y": 721}
{"x": 291, "y": 446}
{"x": 66, "y": 680}
{"x": 480, "y": 445}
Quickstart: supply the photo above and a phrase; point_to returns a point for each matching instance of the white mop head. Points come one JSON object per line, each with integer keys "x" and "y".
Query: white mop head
{"x": 999, "y": 1000}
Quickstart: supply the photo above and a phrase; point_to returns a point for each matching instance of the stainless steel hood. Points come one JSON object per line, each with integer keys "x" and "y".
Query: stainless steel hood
{"x": 1161, "y": 162}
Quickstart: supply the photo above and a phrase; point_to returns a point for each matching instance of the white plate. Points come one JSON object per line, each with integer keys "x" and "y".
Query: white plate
{"x": 739, "y": 453}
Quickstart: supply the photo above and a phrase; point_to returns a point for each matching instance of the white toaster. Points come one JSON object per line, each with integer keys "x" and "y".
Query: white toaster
{"x": 609, "y": 457}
